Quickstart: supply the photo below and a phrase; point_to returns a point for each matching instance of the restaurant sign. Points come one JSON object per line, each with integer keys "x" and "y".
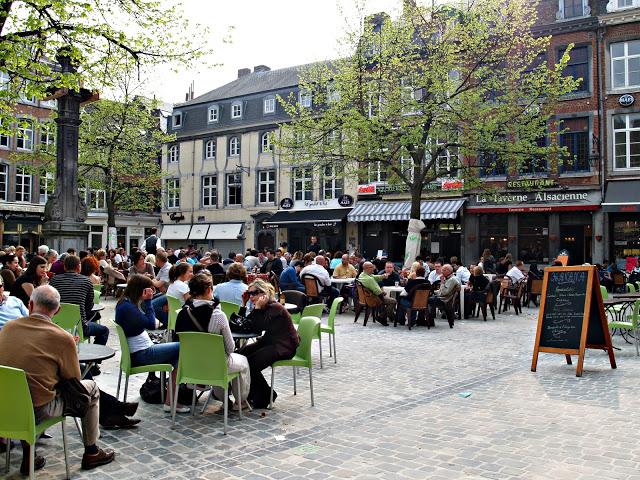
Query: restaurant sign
{"x": 382, "y": 188}
{"x": 532, "y": 183}
{"x": 537, "y": 201}
{"x": 344, "y": 201}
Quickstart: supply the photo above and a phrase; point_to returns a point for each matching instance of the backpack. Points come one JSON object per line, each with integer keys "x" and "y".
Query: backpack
{"x": 150, "y": 244}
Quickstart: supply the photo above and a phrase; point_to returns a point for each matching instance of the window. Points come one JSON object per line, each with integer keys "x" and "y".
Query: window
{"x": 573, "y": 9}
{"x": 47, "y": 137}
{"x": 333, "y": 182}
{"x": 269, "y": 105}
{"x": 533, "y": 241}
{"x": 213, "y": 113}
{"x": 625, "y": 64}
{"x": 97, "y": 199}
{"x": 536, "y": 163}
{"x": 174, "y": 153}
{"x": 375, "y": 105}
{"x": 265, "y": 142}
{"x": 493, "y": 234}
{"x": 4, "y": 181}
{"x": 210, "y": 191}
{"x": 5, "y": 139}
{"x": 491, "y": 164}
{"x": 24, "y": 138}
{"x": 234, "y": 146}
{"x": 96, "y": 236}
{"x": 23, "y": 186}
{"x": 177, "y": 120}
{"x": 210, "y": 149}
{"x": 626, "y": 133}
{"x": 407, "y": 166}
{"x": 305, "y": 99}
{"x": 333, "y": 95}
{"x": 578, "y": 67}
{"x": 234, "y": 189}
{"x": 576, "y": 139}
{"x": 303, "y": 183}
{"x": 447, "y": 162}
{"x": 236, "y": 110}
{"x": 267, "y": 186}
{"x": 173, "y": 193}
{"x": 376, "y": 173}
{"x": 4, "y": 79}
{"x": 46, "y": 187}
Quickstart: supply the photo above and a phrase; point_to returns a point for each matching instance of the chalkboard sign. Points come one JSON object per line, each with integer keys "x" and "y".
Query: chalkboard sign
{"x": 571, "y": 315}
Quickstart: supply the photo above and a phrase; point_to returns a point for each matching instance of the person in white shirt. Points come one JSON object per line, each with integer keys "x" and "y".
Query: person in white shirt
{"x": 462, "y": 273}
{"x": 515, "y": 274}
{"x": 180, "y": 275}
{"x": 316, "y": 267}
{"x": 161, "y": 282}
{"x": 436, "y": 273}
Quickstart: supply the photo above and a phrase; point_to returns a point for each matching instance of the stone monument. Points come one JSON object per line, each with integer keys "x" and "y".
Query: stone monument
{"x": 66, "y": 211}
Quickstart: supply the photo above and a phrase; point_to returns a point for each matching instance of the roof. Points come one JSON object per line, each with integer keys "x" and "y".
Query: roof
{"x": 254, "y": 82}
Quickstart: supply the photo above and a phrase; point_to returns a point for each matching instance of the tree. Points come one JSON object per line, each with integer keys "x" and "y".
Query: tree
{"x": 102, "y": 37}
{"x": 438, "y": 92}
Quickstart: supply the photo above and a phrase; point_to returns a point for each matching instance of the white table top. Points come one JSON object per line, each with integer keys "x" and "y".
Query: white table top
{"x": 342, "y": 280}
{"x": 121, "y": 285}
{"x": 397, "y": 289}
{"x": 290, "y": 306}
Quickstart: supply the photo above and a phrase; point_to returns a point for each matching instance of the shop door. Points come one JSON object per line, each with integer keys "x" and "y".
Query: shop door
{"x": 572, "y": 238}
{"x": 373, "y": 240}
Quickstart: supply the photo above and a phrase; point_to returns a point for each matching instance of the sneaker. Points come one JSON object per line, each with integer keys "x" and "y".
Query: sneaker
{"x": 179, "y": 408}
{"x": 97, "y": 459}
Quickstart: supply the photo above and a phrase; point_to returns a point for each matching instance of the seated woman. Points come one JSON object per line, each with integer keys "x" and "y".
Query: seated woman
{"x": 416, "y": 277}
{"x": 279, "y": 342}
{"x": 10, "y": 270}
{"x": 34, "y": 276}
{"x": 89, "y": 267}
{"x": 140, "y": 266}
{"x": 203, "y": 314}
{"x": 134, "y": 314}
{"x": 179, "y": 275}
{"x": 475, "y": 291}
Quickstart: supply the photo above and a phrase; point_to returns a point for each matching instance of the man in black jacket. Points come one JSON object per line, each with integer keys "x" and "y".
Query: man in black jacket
{"x": 273, "y": 264}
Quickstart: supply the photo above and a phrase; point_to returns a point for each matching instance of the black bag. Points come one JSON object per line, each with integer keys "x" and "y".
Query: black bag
{"x": 75, "y": 397}
{"x": 150, "y": 391}
{"x": 239, "y": 324}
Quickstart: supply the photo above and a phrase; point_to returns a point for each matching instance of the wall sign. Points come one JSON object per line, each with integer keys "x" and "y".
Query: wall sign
{"x": 449, "y": 184}
{"x": 345, "y": 200}
{"x": 286, "y": 204}
{"x": 532, "y": 183}
{"x": 536, "y": 201}
{"x": 626, "y": 100}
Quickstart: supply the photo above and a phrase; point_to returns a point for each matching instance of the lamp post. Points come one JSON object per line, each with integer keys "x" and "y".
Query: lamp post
{"x": 65, "y": 211}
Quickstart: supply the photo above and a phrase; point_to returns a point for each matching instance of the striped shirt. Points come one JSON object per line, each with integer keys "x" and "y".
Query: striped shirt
{"x": 76, "y": 289}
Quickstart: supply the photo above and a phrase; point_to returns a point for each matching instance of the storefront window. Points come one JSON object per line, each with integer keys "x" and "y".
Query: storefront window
{"x": 626, "y": 238}
{"x": 493, "y": 234}
{"x": 533, "y": 237}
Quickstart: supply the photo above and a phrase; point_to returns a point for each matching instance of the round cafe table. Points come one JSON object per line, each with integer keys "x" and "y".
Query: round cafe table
{"x": 97, "y": 307}
{"x": 91, "y": 353}
{"x": 393, "y": 289}
{"x": 342, "y": 281}
{"x": 290, "y": 306}
{"x": 242, "y": 338}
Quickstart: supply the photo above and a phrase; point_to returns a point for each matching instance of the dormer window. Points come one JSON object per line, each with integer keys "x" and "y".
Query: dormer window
{"x": 568, "y": 9}
{"x": 177, "y": 120}
{"x": 615, "y": 5}
{"x": 213, "y": 114}
{"x": 305, "y": 99}
{"x": 269, "y": 105}
{"x": 236, "y": 110}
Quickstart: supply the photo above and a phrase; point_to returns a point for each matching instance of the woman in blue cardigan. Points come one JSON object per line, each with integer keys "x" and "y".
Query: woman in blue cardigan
{"x": 135, "y": 315}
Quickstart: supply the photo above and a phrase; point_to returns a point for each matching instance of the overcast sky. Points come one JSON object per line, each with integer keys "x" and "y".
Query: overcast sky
{"x": 276, "y": 33}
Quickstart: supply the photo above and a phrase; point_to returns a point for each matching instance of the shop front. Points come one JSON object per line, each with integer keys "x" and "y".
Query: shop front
{"x": 297, "y": 221}
{"x": 534, "y": 225}
{"x": 622, "y": 209}
{"x": 224, "y": 237}
{"x": 21, "y": 228}
{"x": 382, "y": 227}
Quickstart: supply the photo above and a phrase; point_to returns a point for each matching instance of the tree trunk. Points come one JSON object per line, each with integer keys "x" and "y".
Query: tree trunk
{"x": 416, "y": 193}
{"x": 111, "y": 210}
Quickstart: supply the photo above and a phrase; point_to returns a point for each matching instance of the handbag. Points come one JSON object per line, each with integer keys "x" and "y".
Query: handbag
{"x": 239, "y": 324}
{"x": 75, "y": 397}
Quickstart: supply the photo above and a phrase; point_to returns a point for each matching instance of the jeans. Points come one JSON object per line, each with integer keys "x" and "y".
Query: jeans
{"x": 159, "y": 303}
{"x": 404, "y": 304}
{"x": 161, "y": 353}
{"x": 100, "y": 332}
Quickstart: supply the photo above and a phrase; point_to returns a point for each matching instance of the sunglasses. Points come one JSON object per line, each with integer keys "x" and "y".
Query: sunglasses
{"x": 254, "y": 292}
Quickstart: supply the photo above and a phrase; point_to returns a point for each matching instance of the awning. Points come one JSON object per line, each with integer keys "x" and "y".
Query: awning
{"x": 225, "y": 231}
{"x": 199, "y": 232}
{"x": 319, "y": 218}
{"x": 622, "y": 196}
{"x": 175, "y": 232}
{"x": 400, "y": 211}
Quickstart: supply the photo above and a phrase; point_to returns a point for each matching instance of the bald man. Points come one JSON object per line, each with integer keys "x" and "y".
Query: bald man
{"x": 444, "y": 297}
{"x": 370, "y": 282}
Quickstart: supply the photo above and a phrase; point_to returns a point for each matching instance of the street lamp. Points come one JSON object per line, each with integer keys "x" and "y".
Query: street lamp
{"x": 241, "y": 169}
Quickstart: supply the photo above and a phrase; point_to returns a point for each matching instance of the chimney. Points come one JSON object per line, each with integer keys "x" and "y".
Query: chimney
{"x": 261, "y": 68}
{"x": 243, "y": 72}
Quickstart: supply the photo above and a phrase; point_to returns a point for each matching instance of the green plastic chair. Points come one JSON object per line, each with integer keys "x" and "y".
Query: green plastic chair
{"x": 97, "y": 287}
{"x": 315, "y": 311}
{"x": 96, "y": 297}
{"x": 308, "y": 330}
{"x": 228, "y": 308}
{"x": 69, "y": 318}
{"x": 631, "y": 325}
{"x": 174, "y": 305}
{"x": 330, "y": 327}
{"x": 17, "y": 419}
{"x": 631, "y": 288}
{"x": 616, "y": 309}
{"x": 203, "y": 362}
{"x": 128, "y": 370}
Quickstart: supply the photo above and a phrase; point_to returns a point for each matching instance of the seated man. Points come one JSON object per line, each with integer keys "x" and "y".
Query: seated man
{"x": 48, "y": 357}
{"x": 449, "y": 288}
{"x": 232, "y": 290}
{"x": 390, "y": 276}
{"x": 406, "y": 301}
{"x": 289, "y": 278}
{"x": 317, "y": 266}
{"x": 436, "y": 273}
{"x": 272, "y": 265}
{"x": 370, "y": 282}
{"x": 462, "y": 272}
{"x": 515, "y": 273}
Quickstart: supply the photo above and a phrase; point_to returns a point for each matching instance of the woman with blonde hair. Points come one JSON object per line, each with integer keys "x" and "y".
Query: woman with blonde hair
{"x": 279, "y": 341}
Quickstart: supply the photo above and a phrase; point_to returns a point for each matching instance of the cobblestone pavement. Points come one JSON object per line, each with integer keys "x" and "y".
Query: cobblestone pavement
{"x": 438, "y": 404}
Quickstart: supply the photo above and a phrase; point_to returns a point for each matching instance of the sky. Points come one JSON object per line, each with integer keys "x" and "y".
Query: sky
{"x": 276, "y": 33}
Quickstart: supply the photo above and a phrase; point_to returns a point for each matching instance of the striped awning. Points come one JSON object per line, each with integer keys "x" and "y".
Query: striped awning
{"x": 399, "y": 211}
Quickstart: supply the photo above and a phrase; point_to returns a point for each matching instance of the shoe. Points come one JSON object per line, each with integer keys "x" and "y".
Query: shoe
{"x": 179, "y": 408}
{"x": 45, "y": 435}
{"x": 245, "y": 406}
{"x": 129, "y": 409}
{"x": 97, "y": 459}
{"x": 38, "y": 463}
{"x": 384, "y": 324}
{"x": 116, "y": 422}
{"x": 95, "y": 371}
